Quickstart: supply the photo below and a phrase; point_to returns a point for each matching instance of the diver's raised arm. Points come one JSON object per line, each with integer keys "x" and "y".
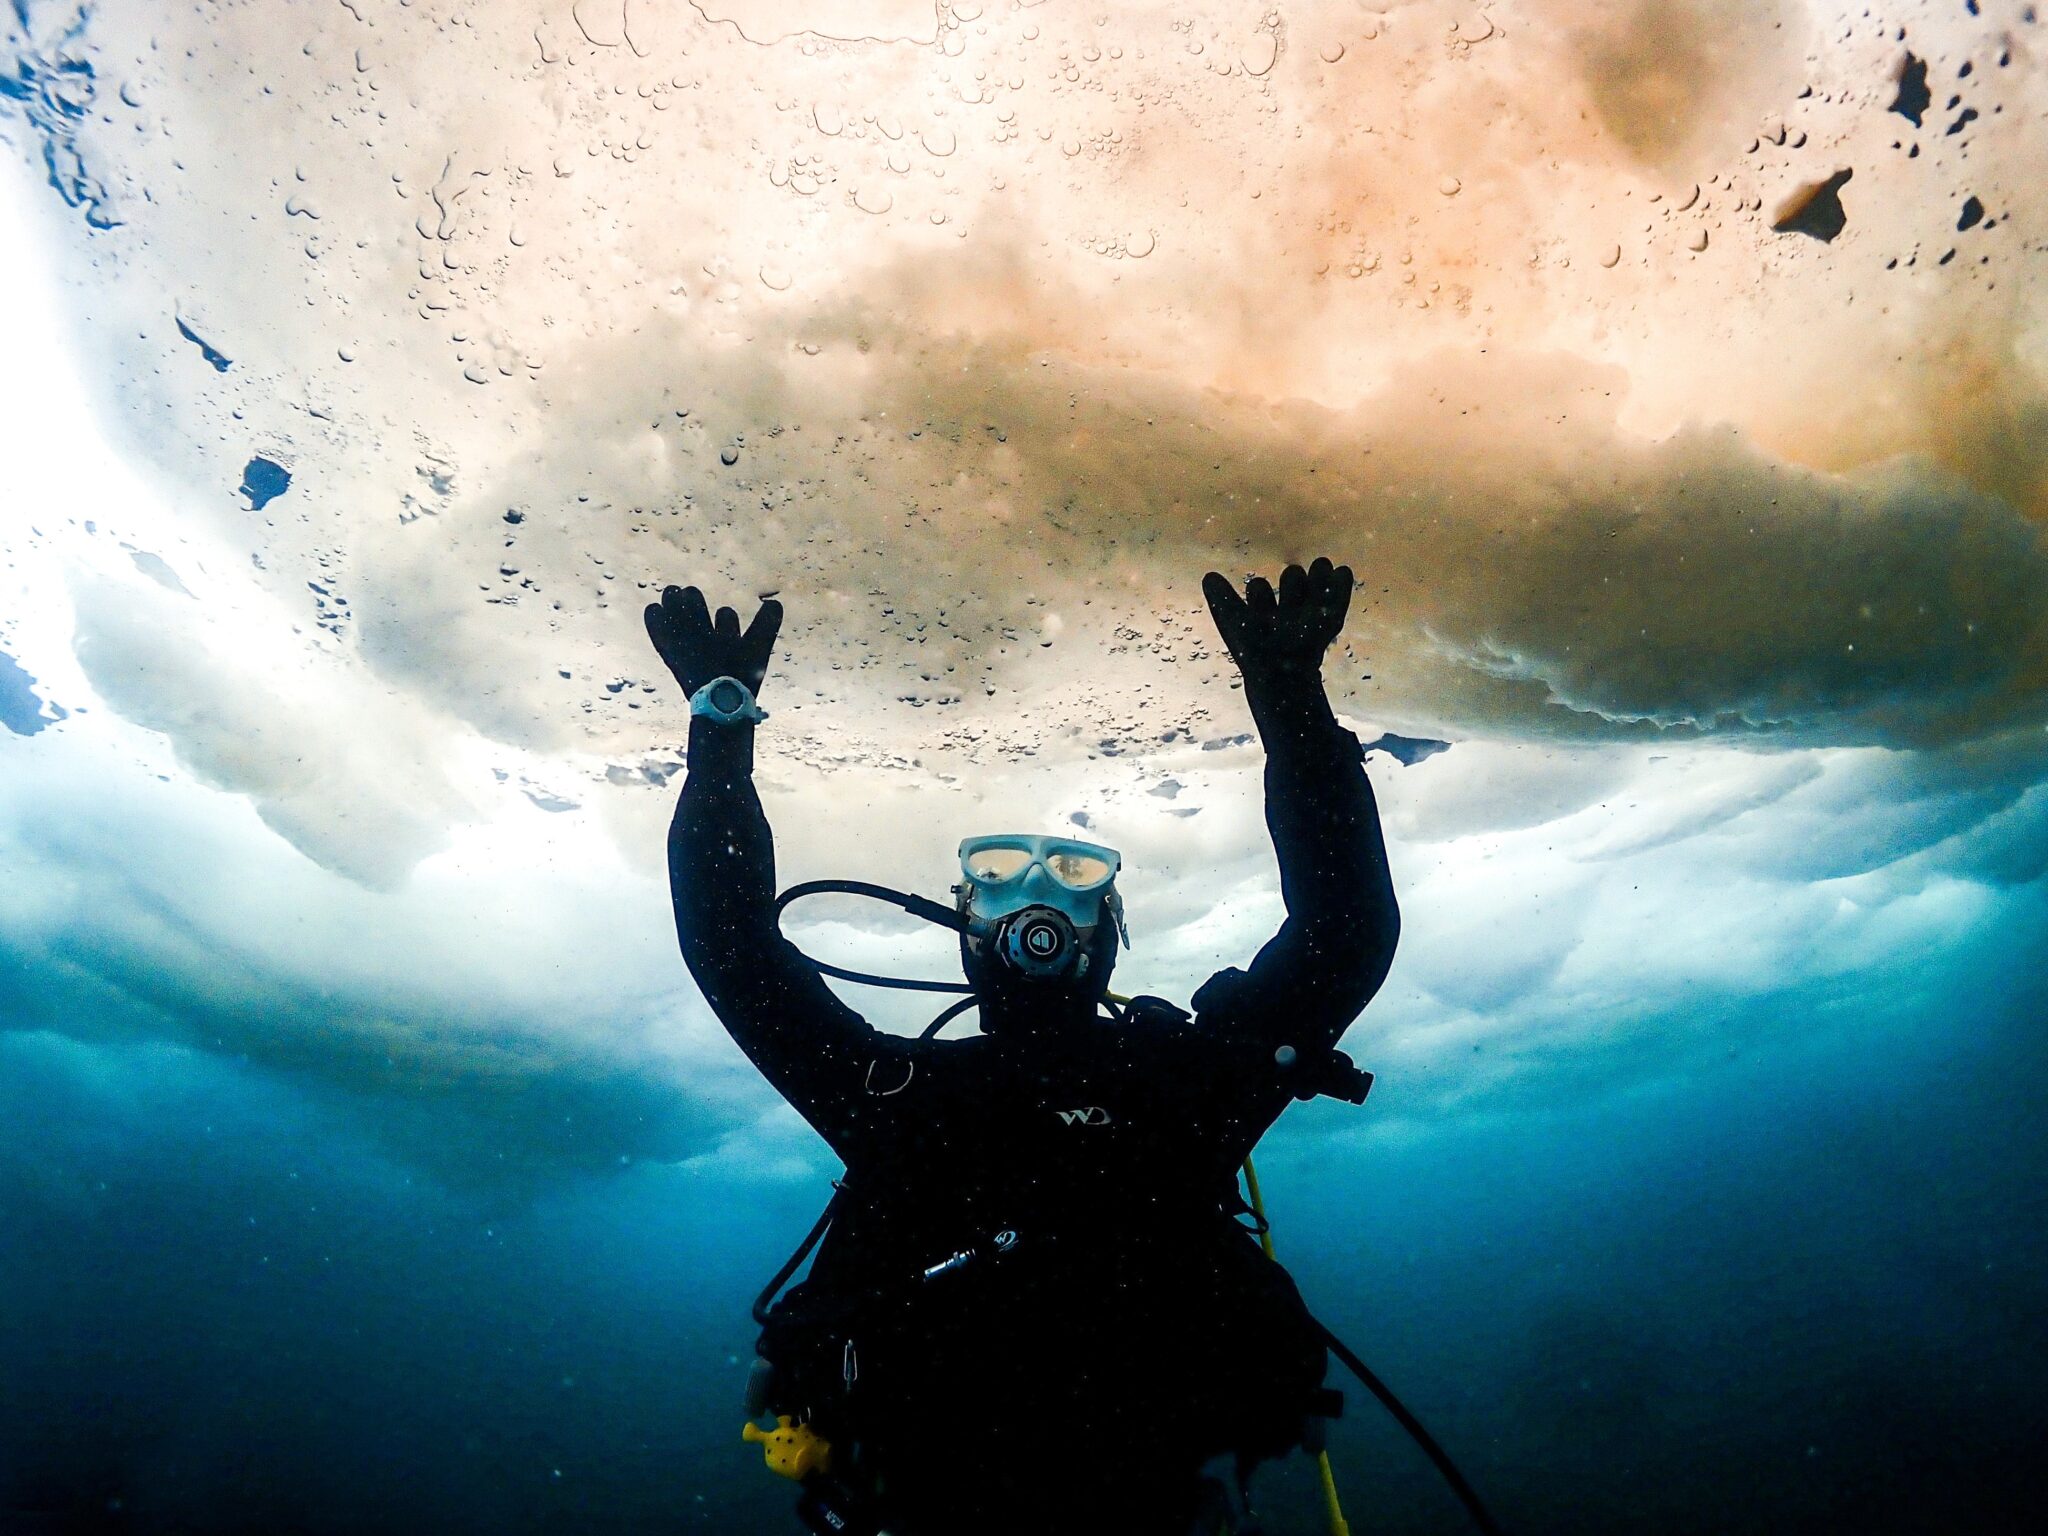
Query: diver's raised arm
{"x": 721, "y": 866}
{"x": 1330, "y": 956}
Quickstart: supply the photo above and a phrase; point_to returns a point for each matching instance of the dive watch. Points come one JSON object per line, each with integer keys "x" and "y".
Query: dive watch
{"x": 727, "y": 701}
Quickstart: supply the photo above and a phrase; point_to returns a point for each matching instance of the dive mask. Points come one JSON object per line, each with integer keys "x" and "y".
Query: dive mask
{"x": 1037, "y": 900}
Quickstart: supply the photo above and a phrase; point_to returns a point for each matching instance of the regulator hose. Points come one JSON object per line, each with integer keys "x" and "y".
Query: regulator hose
{"x": 1481, "y": 1517}
{"x": 917, "y": 906}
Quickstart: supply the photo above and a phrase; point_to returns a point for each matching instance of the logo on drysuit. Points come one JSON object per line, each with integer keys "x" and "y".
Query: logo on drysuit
{"x": 1094, "y": 1114}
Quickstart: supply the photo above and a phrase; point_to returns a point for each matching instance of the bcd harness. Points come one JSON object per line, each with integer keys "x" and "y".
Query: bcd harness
{"x": 796, "y": 1448}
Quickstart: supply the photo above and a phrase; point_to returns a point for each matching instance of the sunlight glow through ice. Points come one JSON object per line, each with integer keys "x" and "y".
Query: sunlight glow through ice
{"x": 979, "y": 332}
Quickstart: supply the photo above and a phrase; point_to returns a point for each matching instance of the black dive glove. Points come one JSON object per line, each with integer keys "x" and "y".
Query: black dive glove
{"x": 1278, "y": 641}
{"x": 699, "y": 648}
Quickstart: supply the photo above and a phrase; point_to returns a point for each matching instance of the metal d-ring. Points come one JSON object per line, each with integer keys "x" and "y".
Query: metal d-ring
{"x": 910, "y": 1071}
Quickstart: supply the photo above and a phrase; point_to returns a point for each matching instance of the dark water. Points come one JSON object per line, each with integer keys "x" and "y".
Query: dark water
{"x": 1802, "y": 1288}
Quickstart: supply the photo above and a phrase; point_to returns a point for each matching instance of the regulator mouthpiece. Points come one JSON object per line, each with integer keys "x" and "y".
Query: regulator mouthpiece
{"x": 1041, "y": 943}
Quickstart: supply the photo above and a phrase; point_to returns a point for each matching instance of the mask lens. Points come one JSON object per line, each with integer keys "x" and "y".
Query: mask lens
{"x": 1077, "y": 871}
{"x": 996, "y": 864}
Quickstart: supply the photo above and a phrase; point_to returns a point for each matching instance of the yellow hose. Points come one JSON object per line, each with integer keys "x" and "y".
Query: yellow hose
{"x": 1258, "y": 1202}
{"x": 1338, "y": 1525}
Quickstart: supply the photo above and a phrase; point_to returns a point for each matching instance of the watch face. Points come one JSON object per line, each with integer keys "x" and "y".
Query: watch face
{"x": 727, "y": 696}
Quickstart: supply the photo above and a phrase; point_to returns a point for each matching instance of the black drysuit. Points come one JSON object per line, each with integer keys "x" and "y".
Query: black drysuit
{"x": 1073, "y": 1374}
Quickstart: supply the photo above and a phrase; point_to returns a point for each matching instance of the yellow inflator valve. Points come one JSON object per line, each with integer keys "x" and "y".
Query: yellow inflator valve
{"x": 791, "y": 1449}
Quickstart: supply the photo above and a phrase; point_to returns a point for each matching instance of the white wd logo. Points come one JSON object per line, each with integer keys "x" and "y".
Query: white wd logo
{"x": 1094, "y": 1114}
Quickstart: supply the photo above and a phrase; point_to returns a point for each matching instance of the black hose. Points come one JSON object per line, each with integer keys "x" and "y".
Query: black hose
{"x": 1421, "y": 1436}
{"x": 951, "y": 1013}
{"x": 898, "y": 983}
{"x": 916, "y": 906}
{"x": 766, "y": 1299}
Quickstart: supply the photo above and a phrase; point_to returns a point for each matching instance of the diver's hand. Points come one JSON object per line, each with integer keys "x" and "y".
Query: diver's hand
{"x": 699, "y": 648}
{"x": 1279, "y": 640}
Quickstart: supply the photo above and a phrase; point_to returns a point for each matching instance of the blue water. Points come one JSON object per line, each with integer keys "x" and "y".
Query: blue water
{"x": 1802, "y": 1287}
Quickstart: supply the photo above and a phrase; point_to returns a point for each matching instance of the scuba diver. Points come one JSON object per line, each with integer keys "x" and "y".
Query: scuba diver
{"x": 1035, "y": 1306}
